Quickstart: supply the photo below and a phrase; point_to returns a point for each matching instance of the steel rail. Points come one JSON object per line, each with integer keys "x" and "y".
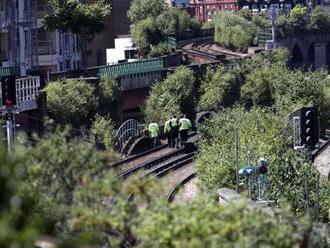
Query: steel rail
{"x": 145, "y": 153}
{"x": 178, "y": 186}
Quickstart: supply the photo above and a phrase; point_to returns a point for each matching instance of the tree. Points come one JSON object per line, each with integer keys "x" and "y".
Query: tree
{"x": 145, "y": 34}
{"x": 144, "y": 9}
{"x": 57, "y": 164}
{"x": 85, "y": 20}
{"x": 319, "y": 19}
{"x": 20, "y": 226}
{"x": 172, "y": 96}
{"x": 232, "y": 31}
{"x": 77, "y": 18}
{"x": 219, "y": 88}
{"x": 103, "y": 131}
{"x": 205, "y": 223}
{"x": 160, "y": 50}
{"x": 288, "y": 172}
{"x": 71, "y": 101}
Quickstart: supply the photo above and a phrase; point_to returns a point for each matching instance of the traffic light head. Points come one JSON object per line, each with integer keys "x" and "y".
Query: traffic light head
{"x": 8, "y": 90}
{"x": 310, "y": 126}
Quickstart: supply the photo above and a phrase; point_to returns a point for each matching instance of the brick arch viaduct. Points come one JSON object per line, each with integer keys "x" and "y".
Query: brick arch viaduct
{"x": 311, "y": 50}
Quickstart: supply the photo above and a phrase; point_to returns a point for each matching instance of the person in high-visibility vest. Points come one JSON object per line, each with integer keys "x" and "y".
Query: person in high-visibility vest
{"x": 184, "y": 126}
{"x": 153, "y": 129}
{"x": 174, "y": 132}
{"x": 167, "y": 131}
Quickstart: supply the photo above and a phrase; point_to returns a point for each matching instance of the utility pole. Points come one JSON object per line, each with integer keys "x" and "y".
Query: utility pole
{"x": 9, "y": 127}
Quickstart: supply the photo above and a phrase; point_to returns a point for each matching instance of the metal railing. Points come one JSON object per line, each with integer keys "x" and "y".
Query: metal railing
{"x": 27, "y": 93}
{"x": 130, "y": 128}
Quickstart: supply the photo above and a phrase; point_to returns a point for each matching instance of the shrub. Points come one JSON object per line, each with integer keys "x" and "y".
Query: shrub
{"x": 219, "y": 88}
{"x": 233, "y": 32}
{"x": 71, "y": 101}
{"x": 103, "y": 131}
{"x": 174, "y": 95}
{"x": 208, "y": 224}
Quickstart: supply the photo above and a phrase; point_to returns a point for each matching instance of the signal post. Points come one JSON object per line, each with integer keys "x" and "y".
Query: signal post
{"x": 8, "y": 96}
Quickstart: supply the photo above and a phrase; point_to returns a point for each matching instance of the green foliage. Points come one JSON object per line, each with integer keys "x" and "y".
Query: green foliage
{"x": 291, "y": 174}
{"x": 219, "y": 88}
{"x": 269, "y": 81}
{"x": 75, "y": 17}
{"x": 245, "y": 13}
{"x": 265, "y": 134}
{"x": 174, "y": 95}
{"x": 103, "y": 131}
{"x": 174, "y": 21}
{"x": 260, "y": 84}
{"x": 233, "y": 31}
{"x": 101, "y": 208}
{"x": 109, "y": 90}
{"x": 152, "y": 22}
{"x": 160, "y": 50}
{"x": 213, "y": 225}
{"x": 215, "y": 165}
{"x": 300, "y": 22}
{"x": 56, "y": 165}
{"x": 71, "y": 101}
{"x": 145, "y": 34}
{"x": 144, "y": 9}
{"x": 319, "y": 19}
{"x": 19, "y": 225}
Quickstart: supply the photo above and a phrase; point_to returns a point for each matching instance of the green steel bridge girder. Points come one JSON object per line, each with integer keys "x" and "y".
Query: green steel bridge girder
{"x": 9, "y": 71}
{"x": 138, "y": 67}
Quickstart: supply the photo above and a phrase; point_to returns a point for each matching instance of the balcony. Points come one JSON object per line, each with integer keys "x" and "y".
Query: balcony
{"x": 45, "y": 47}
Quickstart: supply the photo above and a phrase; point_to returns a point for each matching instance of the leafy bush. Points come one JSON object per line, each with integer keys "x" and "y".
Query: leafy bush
{"x": 300, "y": 22}
{"x": 233, "y": 32}
{"x": 144, "y": 34}
{"x": 103, "y": 131}
{"x": 160, "y": 50}
{"x": 56, "y": 165}
{"x": 144, "y": 9}
{"x": 109, "y": 90}
{"x": 261, "y": 133}
{"x": 174, "y": 95}
{"x": 20, "y": 226}
{"x": 214, "y": 225}
{"x": 71, "y": 101}
{"x": 218, "y": 88}
{"x": 153, "y": 21}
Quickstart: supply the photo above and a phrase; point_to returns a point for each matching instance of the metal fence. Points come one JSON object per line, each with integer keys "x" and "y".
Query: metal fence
{"x": 130, "y": 128}
{"x": 27, "y": 93}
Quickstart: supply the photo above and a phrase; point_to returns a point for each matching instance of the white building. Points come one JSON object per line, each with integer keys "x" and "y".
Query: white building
{"x": 25, "y": 43}
{"x": 123, "y": 51}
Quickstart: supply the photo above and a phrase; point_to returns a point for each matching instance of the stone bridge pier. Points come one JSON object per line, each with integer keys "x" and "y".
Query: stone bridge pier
{"x": 312, "y": 51}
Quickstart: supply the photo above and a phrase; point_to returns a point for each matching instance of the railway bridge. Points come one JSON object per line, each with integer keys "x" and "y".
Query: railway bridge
{"x": 309, "y": 50}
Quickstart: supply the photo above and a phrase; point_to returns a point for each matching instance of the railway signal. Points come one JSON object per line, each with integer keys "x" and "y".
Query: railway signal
{"x": 306, "y": 128}
{"x": 8, "y": 90}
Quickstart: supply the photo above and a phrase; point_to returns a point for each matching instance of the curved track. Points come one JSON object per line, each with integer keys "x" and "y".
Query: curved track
{"x": 205, "y": 50}
{"x": 178, "y": 186}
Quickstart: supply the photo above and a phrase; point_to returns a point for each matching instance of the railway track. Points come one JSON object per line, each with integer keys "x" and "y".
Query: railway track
{"x": 178, "y": 186}
{"x": 165, "y": 168}
{"x": 159, "y": 164}
{"x": 149, "y": 155}
{"x": 202, "y": 49}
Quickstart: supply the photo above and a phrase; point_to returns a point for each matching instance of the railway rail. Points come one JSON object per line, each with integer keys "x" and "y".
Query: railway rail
{"x": 167, "y": 167}
{"x": 202, "y": 49}
{"x": 158, "y": 164}
{"x": 178, "y": 186}
{"x": 142, "y": 157}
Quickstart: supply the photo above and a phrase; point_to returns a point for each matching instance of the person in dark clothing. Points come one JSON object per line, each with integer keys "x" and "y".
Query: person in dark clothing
{"x": 174, "y": 132}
